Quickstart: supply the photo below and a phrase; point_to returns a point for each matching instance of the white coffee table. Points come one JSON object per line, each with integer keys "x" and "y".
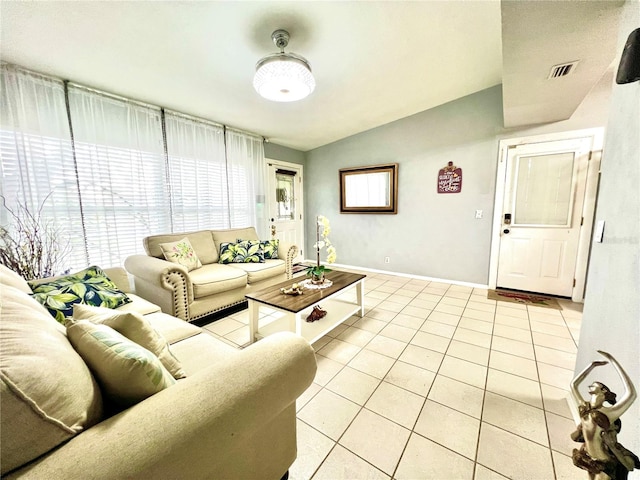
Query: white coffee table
{"x": 295, "y": 309}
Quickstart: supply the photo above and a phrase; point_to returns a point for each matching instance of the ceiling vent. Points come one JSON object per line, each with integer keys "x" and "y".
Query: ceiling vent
{"x": 563, "y": 69}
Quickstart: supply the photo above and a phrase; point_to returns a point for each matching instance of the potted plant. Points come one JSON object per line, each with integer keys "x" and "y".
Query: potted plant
{"x": 317, "y": 271}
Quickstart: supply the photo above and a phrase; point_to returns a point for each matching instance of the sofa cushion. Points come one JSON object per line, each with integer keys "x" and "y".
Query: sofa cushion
{"x": 47, "y": 393}
{"x": 182, "y": 253}
{"x": 202, "y": 243}
{"x": 216, "y": 278}
{"x": 138, "y": 304}
{"x": 201, "y": 351}
{"x": 136, "y": 328}
{"x": 90, "y": 286}
{"x": 12, "y": 279}
{"x": 172, "y": 328}
{"x": 127, "y": 372}
{"x": 246, "y": 251}
{"x": 231, "y": 235}
{"x": 257, "y": 272}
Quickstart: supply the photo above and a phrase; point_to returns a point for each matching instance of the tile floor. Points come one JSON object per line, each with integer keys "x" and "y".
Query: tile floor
{"x": 436, "y": 382}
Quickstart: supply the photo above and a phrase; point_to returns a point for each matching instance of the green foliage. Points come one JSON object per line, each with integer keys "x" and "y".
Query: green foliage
{"x": 90, "y": 286}
{"x": 246, "y": 251}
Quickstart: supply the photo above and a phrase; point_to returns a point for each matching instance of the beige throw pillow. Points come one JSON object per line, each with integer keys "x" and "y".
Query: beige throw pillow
{"x": 127, "y": 372}
{"x": 136, "y": 328}
{"x": 182, "y": 253}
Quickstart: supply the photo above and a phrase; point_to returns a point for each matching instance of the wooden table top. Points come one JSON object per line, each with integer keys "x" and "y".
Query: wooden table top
{"x": 294, "y": 303}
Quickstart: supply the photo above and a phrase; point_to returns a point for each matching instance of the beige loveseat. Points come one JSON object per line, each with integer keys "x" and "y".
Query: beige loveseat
{"x": 190, "y": 295}
{"x": 232, "y": 417}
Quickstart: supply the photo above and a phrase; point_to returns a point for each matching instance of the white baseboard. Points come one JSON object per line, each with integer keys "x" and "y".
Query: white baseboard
{"x": 406, "y": 275}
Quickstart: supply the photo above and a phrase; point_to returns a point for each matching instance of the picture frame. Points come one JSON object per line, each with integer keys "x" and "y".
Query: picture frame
{"x": 369, "y": 189}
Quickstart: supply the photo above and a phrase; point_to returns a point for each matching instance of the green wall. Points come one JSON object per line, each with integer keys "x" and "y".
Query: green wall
{"x": 611, "y": 318}
{"x": 433, "y": 235}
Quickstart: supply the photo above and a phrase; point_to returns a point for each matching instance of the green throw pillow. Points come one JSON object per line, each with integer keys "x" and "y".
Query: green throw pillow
{"x": 90, "y": 286}
{"x": 127, "y": 372}
{"x": 246, "y": 251}
{"x": 270, "y": 248}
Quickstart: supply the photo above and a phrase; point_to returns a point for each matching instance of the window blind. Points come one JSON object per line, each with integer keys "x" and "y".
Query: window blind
{"x": 36, "y": 158}
{"x": 197, "y": 173}
{"x": 120, "y": 157}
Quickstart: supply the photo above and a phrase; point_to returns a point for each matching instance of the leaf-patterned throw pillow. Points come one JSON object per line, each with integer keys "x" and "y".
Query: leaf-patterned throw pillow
{"x": 90, "y": 286}
{"x": 270, "y": 248}
{"x": 246, "y": 251}
{"x": 182, "y": 253}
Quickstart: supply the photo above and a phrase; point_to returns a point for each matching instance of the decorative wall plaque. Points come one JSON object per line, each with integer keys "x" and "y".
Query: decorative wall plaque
{"x": 450, "y": 179}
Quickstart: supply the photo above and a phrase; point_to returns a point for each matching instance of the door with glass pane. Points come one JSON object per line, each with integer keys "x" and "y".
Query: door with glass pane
{"x": 541, "y": 217}
{"x": 285, "y": 204}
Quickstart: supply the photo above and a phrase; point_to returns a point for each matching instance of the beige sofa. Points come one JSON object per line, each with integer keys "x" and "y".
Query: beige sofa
{"x": 232, "y": 417}
{"x": 190, "y": 295}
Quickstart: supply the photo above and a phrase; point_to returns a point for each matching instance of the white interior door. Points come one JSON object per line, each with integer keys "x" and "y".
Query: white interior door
{"x": 542, "y": 215}
{"x": 286, "y": 204}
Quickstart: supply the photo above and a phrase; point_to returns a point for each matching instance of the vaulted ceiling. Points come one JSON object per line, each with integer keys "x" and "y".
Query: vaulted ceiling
{"x": 374, "y": 61}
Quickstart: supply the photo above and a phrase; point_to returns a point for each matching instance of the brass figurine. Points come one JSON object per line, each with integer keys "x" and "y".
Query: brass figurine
{"x": 294, "y": 289}
{"x": 601, "y": 455}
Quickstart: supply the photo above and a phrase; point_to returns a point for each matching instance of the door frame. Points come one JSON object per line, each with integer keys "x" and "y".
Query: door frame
{"x": 300, "y": 205}
{"x": 596, "y": 135}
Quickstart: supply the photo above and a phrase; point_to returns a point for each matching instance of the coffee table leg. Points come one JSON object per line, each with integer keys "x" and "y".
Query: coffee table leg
{"x": 360, "y": 296}
{"x": 253, "y": 320}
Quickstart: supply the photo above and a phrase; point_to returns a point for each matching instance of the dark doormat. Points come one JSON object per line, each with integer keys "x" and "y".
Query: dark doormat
{"x": 524, "y": 298}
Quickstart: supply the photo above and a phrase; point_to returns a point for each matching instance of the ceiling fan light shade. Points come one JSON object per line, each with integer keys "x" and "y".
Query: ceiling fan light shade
{"x": 283, "y": 77}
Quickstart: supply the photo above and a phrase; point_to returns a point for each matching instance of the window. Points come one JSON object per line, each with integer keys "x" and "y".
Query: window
{"x": 112, "y": 179}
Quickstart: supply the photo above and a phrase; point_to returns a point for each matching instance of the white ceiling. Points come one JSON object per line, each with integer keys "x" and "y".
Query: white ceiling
{"x": 374, "y": 62}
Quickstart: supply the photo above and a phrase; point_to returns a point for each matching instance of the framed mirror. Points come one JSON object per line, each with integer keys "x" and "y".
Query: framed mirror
{"x": 372, "y": 189}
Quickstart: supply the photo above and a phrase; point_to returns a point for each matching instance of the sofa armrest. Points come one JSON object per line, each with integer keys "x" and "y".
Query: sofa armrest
{"x": 202, "y": 427}
{"x": 287, "y": 252}
{"x": 161, "y": 282}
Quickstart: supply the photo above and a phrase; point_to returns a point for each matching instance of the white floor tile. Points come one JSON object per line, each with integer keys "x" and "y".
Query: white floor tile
{"x": 513, "y": 456}
{"x": 438, "y": 423}
{"x": 372, "y": 363}
{"x": 402, "y": 391}
{"x": 457, "y": 395}
{"x": 469, "y": 352}
{"x": 396, "y": 404}
{"x": 424, "y": 459}
{"x": 430, "y": 341}
{"x": 437, "y": 328}
{"x": 353, "y": 385}
{"x": 377, "y": 440}
{"x": 386, "y": 346}
{"x": 415, "y": 379}
{"x": 515, "y": 417}
{"x": 313, "y": 447}
{"x": 329, "y": 413}
{"x": 339, "y": 351}
{"x": 463, "y": 371}
{"x": 341, "y": 464}
{"x": 473, "y": 337}
{"x": 514, "y": 387}
{"x": 422, "y": 357}
{"x": 522, "y": 367}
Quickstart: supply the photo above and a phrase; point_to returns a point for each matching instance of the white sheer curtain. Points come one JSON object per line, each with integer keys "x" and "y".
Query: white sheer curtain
{"x": 247, "y": 178}
{"x": 36, "y": 157}
{"x": 197, "y": 173}
{"x": 121, "y": 171}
